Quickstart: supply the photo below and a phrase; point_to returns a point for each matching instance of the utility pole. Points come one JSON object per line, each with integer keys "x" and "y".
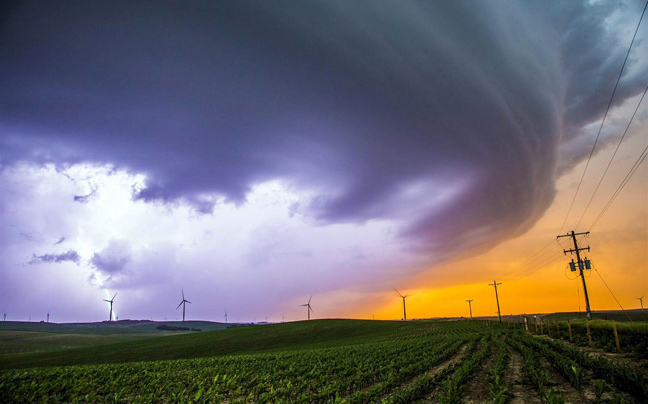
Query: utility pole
{"x": 581, "y": 265}
{"x": 48, "y": 316}
{"x": 470, "y": 307}
{"x": 499, "y": 313}
{"x": 641, "y": 301}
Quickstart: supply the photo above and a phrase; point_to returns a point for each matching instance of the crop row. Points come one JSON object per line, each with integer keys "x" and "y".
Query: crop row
{"x": 619, "y": 375}
{"x": 497, "y": 388}
{"x": 538, "y": 375}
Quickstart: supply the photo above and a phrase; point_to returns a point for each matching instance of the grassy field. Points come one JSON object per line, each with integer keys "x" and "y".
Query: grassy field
{"x": 21, "y": 337}
{"x": 12, "y": 342}
{"x": 329, "y": 361}
{"x": 616, "y": 315}
{"x": 105, "y": 327}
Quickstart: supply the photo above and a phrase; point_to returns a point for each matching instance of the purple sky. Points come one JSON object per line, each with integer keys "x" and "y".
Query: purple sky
{"x": 256, "y": 153}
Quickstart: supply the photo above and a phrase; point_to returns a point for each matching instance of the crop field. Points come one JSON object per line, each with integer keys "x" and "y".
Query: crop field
{"x": 332, "y": 361}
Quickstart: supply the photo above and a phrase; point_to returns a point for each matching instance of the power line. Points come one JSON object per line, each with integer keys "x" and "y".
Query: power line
{"x": 633, "y": 169}
{"x": 543, "y": 264}
{"x": 613, "y": 155}
{"x": 610, "y": 290}
{"x": 528, "y": 260}
{"x": 603, "y": 121}
{"x": 524, "y": 269}
{"x": 537, "y": 267}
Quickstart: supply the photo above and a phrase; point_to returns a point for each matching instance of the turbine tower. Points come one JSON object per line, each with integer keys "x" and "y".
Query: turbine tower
{"x": 309, "y": 309}
{"x": 183, "y": 304}
{"x": 640, "y": 301}
{"x": 404, "y": 312}
{"x": 48, "y": 316}
{"x": 225, "y": 316}
{"x": 111, "y": 304}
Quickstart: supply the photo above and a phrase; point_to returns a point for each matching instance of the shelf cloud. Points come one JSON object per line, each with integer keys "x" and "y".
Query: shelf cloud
{"x": 446, "y": 119}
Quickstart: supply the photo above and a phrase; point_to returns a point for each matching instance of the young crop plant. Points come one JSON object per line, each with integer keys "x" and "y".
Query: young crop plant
{"x": 404, "y": 369}
{"x": 619, "y": 375}
{"x": 497, "y": 389}
{"x": 599, "y": 390}
{"x": 553, "y": 396}
{"x": 538, "y": 375}
{"x": 453, "y": 387}
{"x": 425, "y": 383}
{"x": 567, "y": 367}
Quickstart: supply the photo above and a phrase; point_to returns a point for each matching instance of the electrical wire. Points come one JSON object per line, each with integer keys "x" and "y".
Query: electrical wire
{"x": 612, "y": 293}
{"x": 533, "y": 257}
{"x": 571, "y": 279}
{"x": 603, "y": 121}
{"x": 532, "y": 268}
{"x": 613, "y": 155}
{"x": 542, "y": 265}
{"x": 633, "y": 170}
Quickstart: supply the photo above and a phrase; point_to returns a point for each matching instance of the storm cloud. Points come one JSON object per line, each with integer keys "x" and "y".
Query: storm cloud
{"x": 70, "y": 256}
{"x": 113, "y": 259}
{"x": 445, "y": 117}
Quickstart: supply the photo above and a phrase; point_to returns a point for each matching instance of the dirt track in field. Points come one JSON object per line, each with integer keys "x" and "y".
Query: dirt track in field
{"x": 518, "y": 382}
{"x": 582, "y": 396}
{"x": 432, "y": 397}
{"x": 477, "y": 387}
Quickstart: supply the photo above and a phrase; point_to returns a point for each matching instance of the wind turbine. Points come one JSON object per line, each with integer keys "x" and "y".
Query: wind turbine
{"x": 182, "y": 303}
{"x": 48, "y": 316}
{"x": 111, "y": 304}
{"x": 404, "y": 312}
{"x": 225, "y": 316}
{"x": 309, "y": 307}
{"x": 641, "y": 301}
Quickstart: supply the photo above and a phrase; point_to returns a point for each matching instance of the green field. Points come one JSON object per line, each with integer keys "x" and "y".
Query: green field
{"x": 637, "y": 315}
{"x": 22, "y": 337}
{"x": 105, "y": 327}
{"x": 327, "y": 361}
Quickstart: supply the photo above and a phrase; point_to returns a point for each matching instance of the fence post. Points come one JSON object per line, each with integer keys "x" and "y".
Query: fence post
{"x": 570, "y": 333}
{"x": 541, "y": 328}
{"x": 589, "y": 334}
{"x": 549, "y": 329}
{"x": 616, "y": 336}
{"x": 557, "y": 330}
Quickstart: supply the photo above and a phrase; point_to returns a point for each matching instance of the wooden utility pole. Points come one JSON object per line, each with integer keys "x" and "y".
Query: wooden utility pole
{"x": 470, "y": 307}
{"x": 499, "y": 313}
{"x": 581, "y": 265}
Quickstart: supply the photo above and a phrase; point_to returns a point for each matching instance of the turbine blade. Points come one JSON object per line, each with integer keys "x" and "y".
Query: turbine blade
{"x": 106, "y": 300}
{"x": 399, "y": 293}
{"x": 310, "y": 299}
{"x": 183, "y": 294}
{"x": 311, "y": 309}
{"x": 114, "y": 296}
{"x": 188, "y": 301}
{"x": 179, "y": 305}
{"x": 302, "y": 305}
